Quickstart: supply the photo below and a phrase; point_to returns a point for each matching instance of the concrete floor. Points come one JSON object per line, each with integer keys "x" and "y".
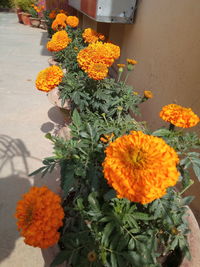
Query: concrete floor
{"x": 26, "y": 115}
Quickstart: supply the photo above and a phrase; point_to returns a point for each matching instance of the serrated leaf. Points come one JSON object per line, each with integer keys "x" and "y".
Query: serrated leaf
{"x": 76, "y": 118}
{"x": 142, "y": 216}
{"x": 161, "y": 132}
{"x": 37, "y": 171}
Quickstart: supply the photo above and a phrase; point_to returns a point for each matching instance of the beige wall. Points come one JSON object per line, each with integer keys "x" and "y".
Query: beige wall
{"x": 165, "y": 39}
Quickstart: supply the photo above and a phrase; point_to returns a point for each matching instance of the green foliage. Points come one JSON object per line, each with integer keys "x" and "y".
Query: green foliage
{"x": 106, "y": 96}
{"x": 23, "y": 4}
{"x": 49, "y": 22}
{"x": 183, "y": 143}
{"x": 33, "y": 12}
{"x": 6, "y": 4}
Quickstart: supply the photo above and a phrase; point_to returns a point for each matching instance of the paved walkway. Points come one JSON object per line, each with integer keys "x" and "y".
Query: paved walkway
{"x": 26, "y": 115}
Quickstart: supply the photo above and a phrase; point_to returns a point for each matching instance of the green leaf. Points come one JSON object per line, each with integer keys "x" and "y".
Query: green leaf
{"x": 142, "y": 216}
{"x": 110, "y": 194}
{"x": 37, "y": 171}
{"x": 106, "y": 233}
{"x": 76, "y": 118}
{"x": 93, "y": 201}
{"x": 60, "y": 258}
{"x": 161, "y": 132}
{"x": 113, "y": 260}
{"x": 67, "y": 177}
{"x": 196, "y": 169}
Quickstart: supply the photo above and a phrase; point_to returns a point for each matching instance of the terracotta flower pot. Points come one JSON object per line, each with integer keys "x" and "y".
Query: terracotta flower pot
{"x": 26, "y": 18}
{"x": 193, "y": 239}
{"x": 19, "y": 15}
{"x": 54, "y": 98}
{"x": 35, "y": 22}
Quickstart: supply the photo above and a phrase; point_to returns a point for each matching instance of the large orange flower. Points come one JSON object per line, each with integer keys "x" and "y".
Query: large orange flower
{"x": 49, "y": 78}
{"x": 97, "y": 71}
{"x": 91, "y": 36}
{"x": 72, "y": 21}
{"x": 179, "y": 116}
{"x": 39, "y": 216}
{"x": 59, "y": 41}
{"x": 60, "y": 22}
{"x": 140, "y": 167}
{"x": 98, "y": 52}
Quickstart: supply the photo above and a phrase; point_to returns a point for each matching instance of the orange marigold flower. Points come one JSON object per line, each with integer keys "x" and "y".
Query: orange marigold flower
{"x": 131, "y": 61}
{"x": 52, "y": 14}
{"x": 97, "y": 71}
{"x": 39, "y": 216}
{"x": 140, "y": 167}
{"x": 148, "y": 94}
{"x": 179, "y": 116}
{"x": 60, "y": 22}
{"x": 59, "y": 41}
{"x": 91, "y": 36}
{"x": 72, "y": 21}
{"x": 113, "y": 49}
{"x": 49, "y": 78}
{"x": 121, "y": 65}
{"x": 58, "y": 25}
{"x": 106, "y": 138}
{"x": 95, "y": 53}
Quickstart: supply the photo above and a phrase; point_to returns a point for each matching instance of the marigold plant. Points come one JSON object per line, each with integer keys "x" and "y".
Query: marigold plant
{"x": 91, "y": 36}
{"x": 72, "y": 21}
{"x": 101, "y": 53}
{"x": 140, "y": 167}
{"x": 39, "y": 216}
{"x": 59, "y": 41}
{"x": 179, "y": 116}
{"x": 49, "y": 78}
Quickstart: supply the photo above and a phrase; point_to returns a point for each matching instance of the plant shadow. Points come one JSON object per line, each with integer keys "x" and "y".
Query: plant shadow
{"x": 15, "y": 164}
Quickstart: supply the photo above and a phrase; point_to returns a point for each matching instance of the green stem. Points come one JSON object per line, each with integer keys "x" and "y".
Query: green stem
{"x": 126, "y": 77}
{"x": 186, "y": 188}
{"x": 119, "y": 76}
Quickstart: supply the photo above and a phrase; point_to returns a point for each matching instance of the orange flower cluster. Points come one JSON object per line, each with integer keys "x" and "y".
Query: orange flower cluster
{"x": 131, "y": 61}
{"x": 60, "y": 22}
{"x": 59, "y": 41}
{"x": 179, "y": 116}
{"x": 38, "y": 9}
{"x": 91, "y": 36}
{"x": 96, "y": 58}
{"x": 39, "y": 216}
{"x": 72, "y": 21}
{"x": 49, "y": 78}
{"x": 140, "y": 167}
{"x": 54, "y": 13}
{"x": 148, "y": 94}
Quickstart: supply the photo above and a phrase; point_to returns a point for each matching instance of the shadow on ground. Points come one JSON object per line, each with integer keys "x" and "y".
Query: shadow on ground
{"x": 43, "y": 43}
{"x": 14, "y": 182}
